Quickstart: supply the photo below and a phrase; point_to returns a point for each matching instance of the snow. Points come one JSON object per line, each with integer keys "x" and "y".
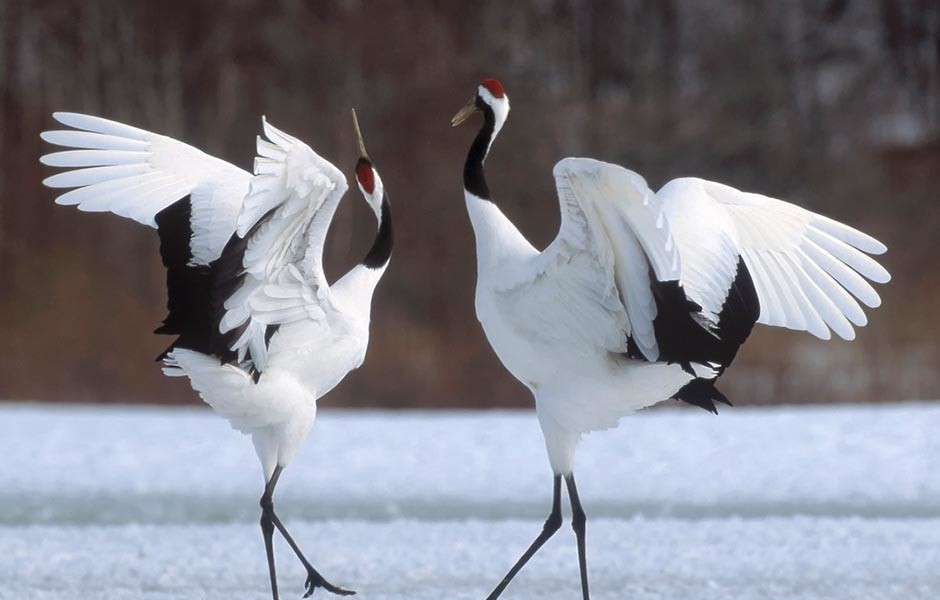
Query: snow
{"x": 158, "y": 503}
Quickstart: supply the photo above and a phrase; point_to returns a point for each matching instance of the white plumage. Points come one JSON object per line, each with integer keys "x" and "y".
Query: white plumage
{"x": 262, "y": 334}
{"x": 806, "y": 267}
{"x": 644, "y": 296}
{"x": 136, "y": 174}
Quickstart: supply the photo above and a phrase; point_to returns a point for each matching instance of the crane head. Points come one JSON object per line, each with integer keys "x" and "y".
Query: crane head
{"x": 490, "y": 94}
{"x": 370, "y": 184}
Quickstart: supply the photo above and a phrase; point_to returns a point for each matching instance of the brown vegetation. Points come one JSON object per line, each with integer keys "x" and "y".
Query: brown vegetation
{"x": 834, "y": 104}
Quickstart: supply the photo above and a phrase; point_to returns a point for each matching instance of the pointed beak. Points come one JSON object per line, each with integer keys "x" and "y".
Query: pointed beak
{"x": 464, "y": 113}
{"x": 362, "y": 145}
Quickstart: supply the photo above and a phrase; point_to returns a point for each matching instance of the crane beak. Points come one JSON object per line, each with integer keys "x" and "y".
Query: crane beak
{"x": 362, "y": 145}
{"x": 464, "y": 113}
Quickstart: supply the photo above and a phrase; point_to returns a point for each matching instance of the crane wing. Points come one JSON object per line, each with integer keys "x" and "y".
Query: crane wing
{"x": 808, "y": 270}
{"x": 613, "y": 240}
{"x": 193, "y": 200}
{"x": 271, "y": 272}
{"x": 137, "y": 174}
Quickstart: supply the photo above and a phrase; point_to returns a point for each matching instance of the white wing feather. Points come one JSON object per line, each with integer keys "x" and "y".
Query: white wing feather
{"x": 612, "y": 230}
{"x": 808, "y": 270}
{"x": 136, "y": 174}
{"x": 285, "y": 215}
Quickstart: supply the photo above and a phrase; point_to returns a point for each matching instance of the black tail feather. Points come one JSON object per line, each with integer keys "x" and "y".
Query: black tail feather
{"x": 683, "y": 340}
{"x": 702, "y": 393}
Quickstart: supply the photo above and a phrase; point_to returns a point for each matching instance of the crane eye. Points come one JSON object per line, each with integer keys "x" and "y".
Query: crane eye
{"x": 365, "y": 175}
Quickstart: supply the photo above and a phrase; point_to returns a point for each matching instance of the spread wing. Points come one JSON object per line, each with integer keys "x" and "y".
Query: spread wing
{"x": 193, "y": 200}
{"x": 613, "y": 240}
{"x": 243, "y": 253}
{"x": 809, "y": 271}
{"x": 137, "y": 174}
{"x": 271, "y": 272}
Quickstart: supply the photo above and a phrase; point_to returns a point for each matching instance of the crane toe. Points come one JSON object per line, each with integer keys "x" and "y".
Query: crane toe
{"x": 315, "y": 580}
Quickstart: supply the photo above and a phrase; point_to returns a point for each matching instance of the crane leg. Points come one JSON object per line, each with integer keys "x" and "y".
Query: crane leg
{"x": 578, "y": 521}
{"x": 267, "y": 529}
{"x": 314, "y": 579}
{"x": 552, "y": 524}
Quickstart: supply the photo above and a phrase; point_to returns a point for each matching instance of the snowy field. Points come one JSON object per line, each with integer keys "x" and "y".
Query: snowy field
{"x": 790, "y": 503}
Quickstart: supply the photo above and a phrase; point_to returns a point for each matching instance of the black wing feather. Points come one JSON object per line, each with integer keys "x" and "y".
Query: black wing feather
{"x": 196, "y": 294}
{"x": 683, "y": 340}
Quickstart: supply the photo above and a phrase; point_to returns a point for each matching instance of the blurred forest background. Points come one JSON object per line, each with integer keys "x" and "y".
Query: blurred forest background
{"x": 832, "y": 104}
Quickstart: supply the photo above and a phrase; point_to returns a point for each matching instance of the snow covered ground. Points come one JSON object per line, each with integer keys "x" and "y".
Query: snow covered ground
{"x": 157, "y": 503}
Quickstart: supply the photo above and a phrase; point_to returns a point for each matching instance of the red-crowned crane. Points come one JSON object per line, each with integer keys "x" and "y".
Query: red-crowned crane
{"x": 261, "y": 334}
{"x": 645, "y": 296}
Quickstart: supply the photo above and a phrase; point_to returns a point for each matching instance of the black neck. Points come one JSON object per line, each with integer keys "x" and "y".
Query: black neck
{"x": 474, "y": 179}
{"x": 382, "y": 246}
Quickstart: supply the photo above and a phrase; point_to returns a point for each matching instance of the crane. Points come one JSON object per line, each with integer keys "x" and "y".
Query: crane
{"x": 645, "y": 296}
{"x": 260, "y": 332}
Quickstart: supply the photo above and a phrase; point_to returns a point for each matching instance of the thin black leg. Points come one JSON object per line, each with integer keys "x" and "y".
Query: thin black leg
{"x": 552, "y": 524}
{"x": 314, "y": 579}
{"x": 578, "y": 520}
{"x": 267, "y": 528}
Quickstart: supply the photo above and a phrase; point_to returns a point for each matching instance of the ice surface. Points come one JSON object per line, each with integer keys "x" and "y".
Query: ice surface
{"x": 743, "y": 559}
{"x": 155, "y": 503}
{"x": 155, "y": 465}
